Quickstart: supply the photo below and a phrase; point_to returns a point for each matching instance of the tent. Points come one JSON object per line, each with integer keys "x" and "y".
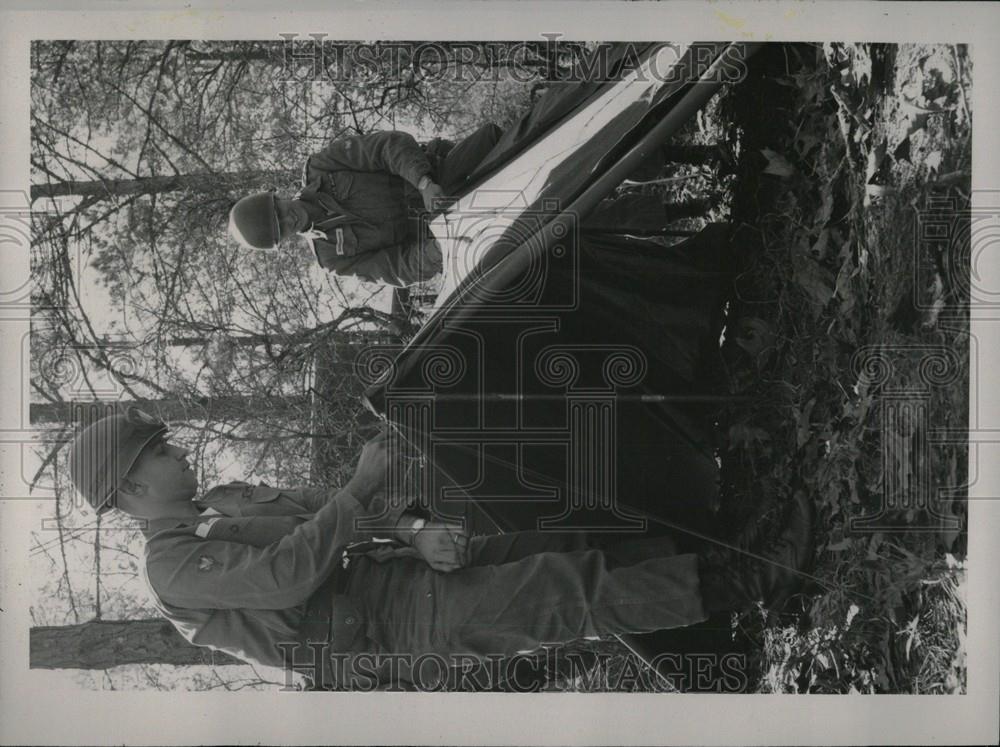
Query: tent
{"x": 560, "y": 381}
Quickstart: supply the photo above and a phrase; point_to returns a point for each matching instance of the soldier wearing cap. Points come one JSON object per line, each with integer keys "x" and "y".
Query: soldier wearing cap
{"x": 256, "y": 571}
{"x": 360, "y": 204}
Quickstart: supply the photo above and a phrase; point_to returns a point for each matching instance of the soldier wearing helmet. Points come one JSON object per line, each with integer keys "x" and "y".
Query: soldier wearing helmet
{"x": 242, "y": 568}
{"x": 360, "y": 204}
{"x": 104, "y": 454}
{"x": 256, "y": 571}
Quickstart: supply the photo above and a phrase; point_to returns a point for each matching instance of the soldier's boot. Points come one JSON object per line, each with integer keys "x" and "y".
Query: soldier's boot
{"x": 733, "y": 580}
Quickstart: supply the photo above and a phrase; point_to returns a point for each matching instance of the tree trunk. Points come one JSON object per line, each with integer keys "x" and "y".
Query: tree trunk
{"x": 176, "y": 410}
{"x": 102, "y": 644}
{"x": 197, "y": 182}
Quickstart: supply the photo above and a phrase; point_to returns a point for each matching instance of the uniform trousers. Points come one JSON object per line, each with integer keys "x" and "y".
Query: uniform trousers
{"x": 523, "y": 590}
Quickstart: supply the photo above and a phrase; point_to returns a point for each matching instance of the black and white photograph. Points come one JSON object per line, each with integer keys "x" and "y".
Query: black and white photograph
{"x": 575, "y": 369}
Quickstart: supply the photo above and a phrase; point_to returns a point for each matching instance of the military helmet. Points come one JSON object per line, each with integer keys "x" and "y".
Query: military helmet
{"x": 253, "y": 221}
{"x": 102, "y": 454}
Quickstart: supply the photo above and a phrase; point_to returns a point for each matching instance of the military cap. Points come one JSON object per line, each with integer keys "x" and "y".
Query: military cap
{"x": 102, "y": 453}
{"x": 253, "y": 222}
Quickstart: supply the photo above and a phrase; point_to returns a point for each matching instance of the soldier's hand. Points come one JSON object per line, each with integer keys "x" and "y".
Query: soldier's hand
{"x": 445, "y": 547}
{"x": 430, "y": 193}
{"x": 369, "y": 476}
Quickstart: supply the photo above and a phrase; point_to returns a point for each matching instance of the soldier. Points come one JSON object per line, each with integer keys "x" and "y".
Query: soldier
{"x": 362, "y": 197}
{"x": 360, "y": 204}
{"x": 254, "y": 570}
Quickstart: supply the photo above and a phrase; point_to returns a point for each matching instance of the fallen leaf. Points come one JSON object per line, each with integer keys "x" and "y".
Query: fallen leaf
{"x": 754, "y": 335}
{"x": 777, "y": 164}
{"x": 842, "y": 286}
{"x": 937, "y": 304}
{"x": 815, "y": 280}
{"x": 902, "y": 151}
{"x": 802, "y": 424}
{"x": 805, "y": 142}
{"x": 950, "y": 523}
{"x": 826, "y": 206}
{"x": 851, "y": 614}
{"x": 918, "y": 121}
{"x": 874, "y": 193}
{"x": 875, "y": 158}
{"x": 819, "y": 248}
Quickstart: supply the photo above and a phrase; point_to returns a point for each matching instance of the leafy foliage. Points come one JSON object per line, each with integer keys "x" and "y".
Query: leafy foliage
{"x": 833, "y": 334}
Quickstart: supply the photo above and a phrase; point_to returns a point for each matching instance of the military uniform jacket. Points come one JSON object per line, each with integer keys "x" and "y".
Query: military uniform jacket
{"x": 241, "y": 578}
{"x": 366, "y": 187}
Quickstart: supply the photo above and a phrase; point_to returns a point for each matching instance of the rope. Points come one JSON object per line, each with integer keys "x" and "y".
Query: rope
{"x": 641, "y": 514}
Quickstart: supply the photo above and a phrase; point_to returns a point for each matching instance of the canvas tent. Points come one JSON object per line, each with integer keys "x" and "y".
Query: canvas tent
{"x": 558, "y": 383}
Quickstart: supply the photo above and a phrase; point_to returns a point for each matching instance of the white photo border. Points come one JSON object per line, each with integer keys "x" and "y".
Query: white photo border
{"x": 30, "y": 714}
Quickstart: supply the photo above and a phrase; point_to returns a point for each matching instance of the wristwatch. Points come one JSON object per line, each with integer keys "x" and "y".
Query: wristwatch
{"x": 415, "y": 527}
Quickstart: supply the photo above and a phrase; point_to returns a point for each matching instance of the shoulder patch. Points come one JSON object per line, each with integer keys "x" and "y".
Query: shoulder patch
{"x": 205, "y": 527}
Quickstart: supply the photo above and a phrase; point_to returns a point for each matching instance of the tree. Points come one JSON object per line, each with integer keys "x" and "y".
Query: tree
{"x": 174, "y": 410}
{"x": 204, "y": 182}
{"x": 139, "y": 148}
{"x": 102, "y": 644}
